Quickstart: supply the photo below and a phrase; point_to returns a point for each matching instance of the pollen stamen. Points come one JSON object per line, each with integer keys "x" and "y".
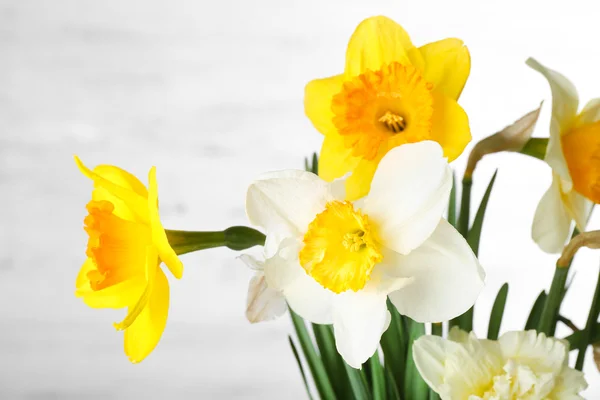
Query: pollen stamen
{"x": 354, "y": 241}
{"x": 393, "y": 122}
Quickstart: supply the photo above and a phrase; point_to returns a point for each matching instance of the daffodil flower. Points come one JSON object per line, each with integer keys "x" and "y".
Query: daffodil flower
{"x": 520, "y": 365}
{"x": 390, "y": 93}
{"x": 126, "y": 246}
{"x": 336, "y": 261}
{"x": 574, "y": 155}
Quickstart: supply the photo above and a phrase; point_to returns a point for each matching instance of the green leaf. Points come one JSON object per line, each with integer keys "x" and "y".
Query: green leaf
{"x": 300, "y": 366}
{"x": 377, "y": 377}
{"x": 474, "y": 234}
{"x": 333, "y": 362}
{"x": 452, "y": 202}
{"x": 535, "y": 147}
{"x": 358, "y": 383}
{"x": 394, "y": 343}
{"x": 536, "y": 311}
{"x": 390, "y": 384}
{"x": 497, "y": 313}
{"x": 465, "y": 321}
{"x": 433, "y": 395}
{"x": 315, "y": 164}
{"x": 589, "y": 326}
{"x": 577, "y": 339}
{"x": 416, "y": 388}
{"x": 465, "y": 207}
{"x": 315, "y": 364}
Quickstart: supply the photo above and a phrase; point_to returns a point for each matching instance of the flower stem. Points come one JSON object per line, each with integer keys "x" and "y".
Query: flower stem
{"x": 589, "y": 326}
{"x": 551, "y": 308}
{"x": 235, "y": 238}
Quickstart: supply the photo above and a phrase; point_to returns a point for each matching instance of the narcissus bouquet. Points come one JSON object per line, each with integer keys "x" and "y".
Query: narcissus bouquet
{"x": 370, "y": 247}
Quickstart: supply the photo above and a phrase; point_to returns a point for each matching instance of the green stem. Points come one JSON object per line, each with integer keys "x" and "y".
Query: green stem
{"x": 235, "y": 238}
{"x": 554, "y": 299}
{"x": 465, "y": 206}
{"x": 589, "y": 326}
{"x": 436, "y": 328}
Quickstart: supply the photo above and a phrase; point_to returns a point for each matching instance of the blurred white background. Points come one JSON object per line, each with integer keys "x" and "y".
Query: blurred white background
{"x": 211, "y": 93}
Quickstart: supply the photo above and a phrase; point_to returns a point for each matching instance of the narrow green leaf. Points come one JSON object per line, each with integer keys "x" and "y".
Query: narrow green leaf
{"x": 416, "y": 388}
{"x": 377, "y": 377}
{"x": 315, "y": 164}
{"x": 315, "y": 364}
{"x": 333, "y": 362}
{"x": 452, "y": 202}
{"x": 357, "y": 383}
{"x": 465, "y": 207}
{"x": 436, "y": 328}
{"x": 557, "y": 291}
{"x": 589, "y": 326}
{"x": 394, "y": 343}
{"x": 465, "y": 321}
{"x": 577, "y": 339}
{"x": 536, "y": 311}
{"x": 297, "y": 356}
{"x": 497, "y": 313}
{"x": 474, "y": 235}
{"x": 433, "y": 395}
{"x": 390, "y": 384}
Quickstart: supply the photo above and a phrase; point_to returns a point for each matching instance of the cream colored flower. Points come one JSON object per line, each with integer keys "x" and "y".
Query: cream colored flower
{"x": 520, "y": 365}
{"x": 574, "y": 155}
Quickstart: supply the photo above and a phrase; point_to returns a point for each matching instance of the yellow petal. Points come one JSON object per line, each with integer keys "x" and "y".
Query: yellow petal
{"x": 359, "y": 183}
{"x": 82, "y": 283}
{"x": 127, "y": 201}
{"x": 317, "y": 101}
{"x": 447, "y": 66}
{"x": 450, "y": 126}
{"x": 121, "y": 295}
{"x": 159, "y": 236}
{"x": 335, "y": 160}
{"x": 375, "y": 42}
{"x": 143, "y": 335}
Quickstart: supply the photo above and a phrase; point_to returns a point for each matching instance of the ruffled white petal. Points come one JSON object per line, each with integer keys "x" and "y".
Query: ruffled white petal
{"x": 540, "y": 353}
{"x": 447, "y": 277}
{"x": 565, "y": 102}
{"x": 552, "y": 223}
{"x": 285, "y": 202}
{"x": 359, "y": 320}
{"x": 409, "y": 193}
{"x": 263, "y": 303}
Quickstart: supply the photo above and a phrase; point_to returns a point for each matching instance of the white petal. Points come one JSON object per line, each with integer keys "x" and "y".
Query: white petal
{"x": 263, "y": 303}
{"x": 551, "y": 223}
{"x": 304, "y": 295}
{"x": 447, "y": 277}
{"x": 359, "y": 320}
{"x": 286, "y": 201}
{"x": 590, "y": 113}
{"x": 251, "y": 262}
{"x": 579, "y": 208}
{"x": 565, "y": 102}
{"x": 568, "y": 385}
{"x": 540, "y": 353}
{"x": 310, "y": 300}
{"x": 409, "y": 193}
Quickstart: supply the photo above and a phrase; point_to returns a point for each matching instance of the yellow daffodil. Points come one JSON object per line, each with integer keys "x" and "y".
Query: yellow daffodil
{"x": 390, "y": 93}
{"x": 336, "y": 261}
{"x": 126, "y": 246}
{"x": 574, "y": 155}
{"x": 520, "y": 365}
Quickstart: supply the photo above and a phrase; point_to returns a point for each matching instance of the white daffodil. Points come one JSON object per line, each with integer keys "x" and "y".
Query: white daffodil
{"x": 520, "y": 365}
{"x": 337, "y": 261}
{"x": 574, "y": 155}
